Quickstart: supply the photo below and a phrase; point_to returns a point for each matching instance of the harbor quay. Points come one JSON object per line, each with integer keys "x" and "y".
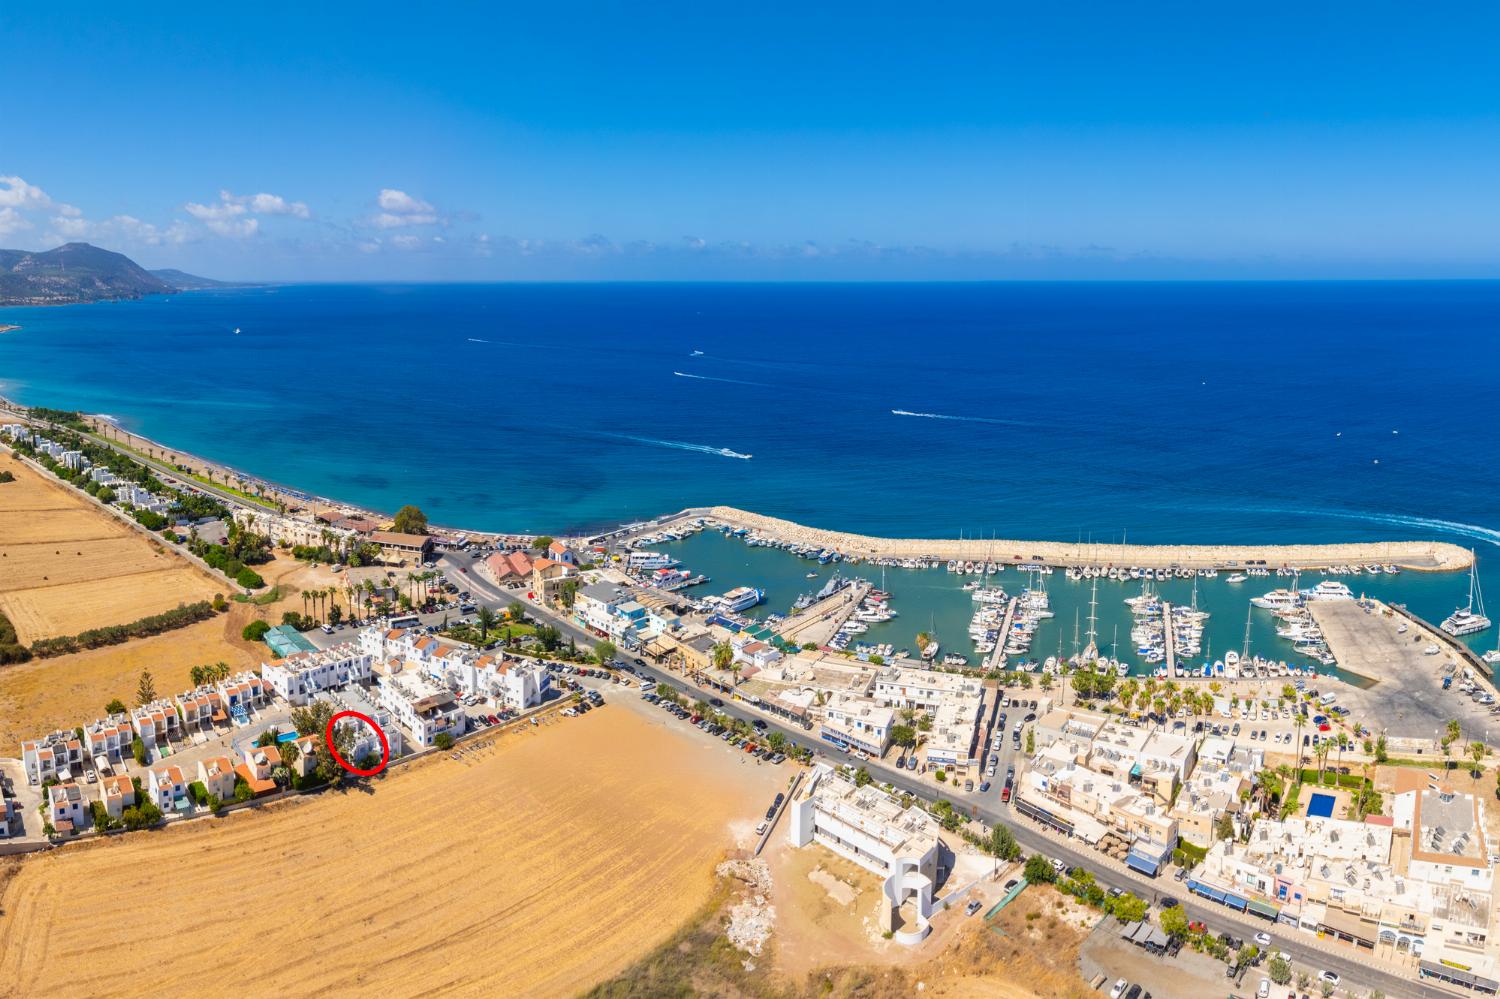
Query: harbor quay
{"x": 1432, "y": 556}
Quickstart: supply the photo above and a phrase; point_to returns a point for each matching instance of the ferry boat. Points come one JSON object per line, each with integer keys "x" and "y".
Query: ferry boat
{"x": 740, "y": 598}
{"x": 1330, "y": 589}
{"x": 1278, "y": 600}
{"x": 1469, "y": 619}
{"x": 650, "y": 561}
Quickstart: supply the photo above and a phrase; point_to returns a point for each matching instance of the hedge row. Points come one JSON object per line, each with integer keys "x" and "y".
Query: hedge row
{"x": 179, "y": 617}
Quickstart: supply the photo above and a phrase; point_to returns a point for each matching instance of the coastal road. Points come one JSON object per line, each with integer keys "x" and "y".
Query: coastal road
{"x": 1353, "y": 967}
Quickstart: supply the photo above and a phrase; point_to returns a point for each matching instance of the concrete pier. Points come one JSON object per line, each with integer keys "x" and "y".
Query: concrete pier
{"x": 1170, "y": 637}
{"x": 997, "y": 658}
{"x": 1432, "y": 556}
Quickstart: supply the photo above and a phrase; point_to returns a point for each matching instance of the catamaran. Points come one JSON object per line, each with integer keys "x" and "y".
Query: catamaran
{"x": 1469, "y": 619}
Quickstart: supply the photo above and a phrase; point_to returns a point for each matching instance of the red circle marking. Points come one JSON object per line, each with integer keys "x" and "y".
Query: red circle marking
{"x": 385, "y": 747}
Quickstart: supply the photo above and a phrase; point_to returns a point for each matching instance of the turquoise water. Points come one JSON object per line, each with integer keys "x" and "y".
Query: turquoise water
{"x": 934, "y": 600}
{"x": 1195, "y": 412}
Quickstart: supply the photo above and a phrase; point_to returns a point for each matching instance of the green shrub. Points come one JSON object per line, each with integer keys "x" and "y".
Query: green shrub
{"x": 249, "y": 579}
{"x": 255, "y": 631}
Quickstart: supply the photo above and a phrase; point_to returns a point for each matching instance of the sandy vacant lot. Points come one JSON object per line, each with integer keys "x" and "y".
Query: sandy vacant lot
{"x": 66, "y": 566}
{"x": 539, "y": 866}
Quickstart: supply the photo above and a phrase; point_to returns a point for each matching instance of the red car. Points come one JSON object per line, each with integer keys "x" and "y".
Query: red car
{"x": 1323, "y": 727}
{"x": 1005, "y": 793}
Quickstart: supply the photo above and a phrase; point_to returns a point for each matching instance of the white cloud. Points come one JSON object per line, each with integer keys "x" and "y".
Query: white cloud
{"x": 12, "y": 221}
{"x": 268, "y": 204}
{"x": 68, "y": 211}
{"x": 235, "y": 215}
{"x": 387, "y": 220}
{"x": 402, "y": 203}
{"x": 16, "y": 193}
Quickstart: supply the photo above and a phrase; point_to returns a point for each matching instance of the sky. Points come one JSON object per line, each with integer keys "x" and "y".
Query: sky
{"x": 827, "y": 141}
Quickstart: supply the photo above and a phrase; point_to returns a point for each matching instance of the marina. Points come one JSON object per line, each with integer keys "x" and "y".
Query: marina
{"x": 1219, "y": 627}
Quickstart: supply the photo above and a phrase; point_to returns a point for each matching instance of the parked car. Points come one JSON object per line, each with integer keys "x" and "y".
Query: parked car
{"x": 973, "y": 907}
{"x": 1330, "y": 977}
{"x": 1119, "y": 989}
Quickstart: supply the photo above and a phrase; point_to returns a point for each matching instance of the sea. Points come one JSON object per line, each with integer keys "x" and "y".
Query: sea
{"x": 1146, "y": 412}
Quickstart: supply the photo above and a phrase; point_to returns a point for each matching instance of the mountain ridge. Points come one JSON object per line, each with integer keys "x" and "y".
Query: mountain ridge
{"x": 80, "y": 272}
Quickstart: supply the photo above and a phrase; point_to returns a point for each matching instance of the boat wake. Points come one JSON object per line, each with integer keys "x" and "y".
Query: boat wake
{"x": 683, "y": 446}
{"x": 475, "y": 339}
{"x": 961, "y": 419}
{"x": 1476, "y": 532}
{"x": 711, "y": 378}
{"x": 696, "y": 353}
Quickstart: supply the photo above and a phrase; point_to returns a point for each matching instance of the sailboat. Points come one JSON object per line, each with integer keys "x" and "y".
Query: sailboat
{"x": 1469, "y": 619}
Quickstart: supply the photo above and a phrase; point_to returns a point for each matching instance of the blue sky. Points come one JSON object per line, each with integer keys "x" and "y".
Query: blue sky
{"x": 802, "y": 141}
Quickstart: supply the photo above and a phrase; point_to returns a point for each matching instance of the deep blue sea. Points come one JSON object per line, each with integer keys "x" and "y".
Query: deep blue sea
{"x": 1208, "y": 412}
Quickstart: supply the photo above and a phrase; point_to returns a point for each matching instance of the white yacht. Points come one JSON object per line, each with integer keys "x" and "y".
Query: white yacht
{"x": 1469, "y": 619}
{"x": 650, "y": 561}
{"x": 1278, "y": 600}
{"x": 741, "y": 598}
{"x": 1330, "y": 589}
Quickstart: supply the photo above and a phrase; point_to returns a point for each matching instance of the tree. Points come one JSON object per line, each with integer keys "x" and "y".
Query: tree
{"x": 1030, "y": 741}
{"x": 723, "y": 655}
{"x": 1380, "y": 749}
{"x": 290, "y": 753}
{"x": 904, "y": 735}
{"x": 1476, "y": 750}
{"x": 542, "y": 542}
{"x": 549, "y": 636}
{"x": 486, "y": 619}
{"x": 115, "y": 707}
{"x": 410, "y": 520}
{"x": 255, "y": 630}
{"x": 1003, "y": 843}
{"x": 1223, "y": 826}
{"x": 336, "y": 614}
{"x": 313, "y": 719}
{"x": 1174, "y": 922}
{"x": 862, "y": 777}
{"x": 1326, "y": 989}
{"x": 145, "y": 690}
{"x": 604, "y": 652}
{"x": 1246, "y": 955}
{"x": 267, "y": 738}
{"x": 1128, "y": 908}
{"x": 1039, "y": 870}
{"x": 443, "y": 741}
{"x": 1280, "y": 970}
{"x": 138, "y": 751}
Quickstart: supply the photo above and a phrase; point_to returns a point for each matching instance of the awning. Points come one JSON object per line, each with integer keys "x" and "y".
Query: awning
{"x": 1262, "y": 909}
{"x": 1235, "y": 901}
{"x": 1142, "y": 864}
{"x": 1469, "y": 980}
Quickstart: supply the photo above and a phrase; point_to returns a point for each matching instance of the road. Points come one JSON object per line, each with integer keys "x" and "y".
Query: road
{"x": 1354, "y": 968}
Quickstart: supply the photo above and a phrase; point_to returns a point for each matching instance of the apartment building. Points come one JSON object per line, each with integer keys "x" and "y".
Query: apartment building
{"x": 859, "y": 722}
{"x": 300, "y": 676}
{"x": 422, "y": 707}
{"x": 167, "y": 788}
{"x": 53, "y": 755}
{"x": 217, "y": 777}
{"x": 156, "y": 723}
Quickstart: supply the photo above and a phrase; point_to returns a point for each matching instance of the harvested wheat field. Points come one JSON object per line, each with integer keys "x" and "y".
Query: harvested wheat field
{"x": 60, "y": 693}
{"x": 64, "y": 691}
{"x": 67, "y": 566}
{"x": 550, "y": 861}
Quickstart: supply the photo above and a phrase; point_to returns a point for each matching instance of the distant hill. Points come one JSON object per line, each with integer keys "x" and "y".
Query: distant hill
{"x": 183, "y": 281}
{"x": 74, "y": 272}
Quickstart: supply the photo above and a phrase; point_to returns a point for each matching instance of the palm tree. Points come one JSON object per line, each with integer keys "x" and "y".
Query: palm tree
{"x": 304, "y": 602}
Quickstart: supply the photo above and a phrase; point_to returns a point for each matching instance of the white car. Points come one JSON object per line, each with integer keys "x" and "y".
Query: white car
{"x": 1263, "y": 939}
{"x": 1119, "y": 989}
{"x": 1330, "y": 977}
{"x": 1264, "y": 991}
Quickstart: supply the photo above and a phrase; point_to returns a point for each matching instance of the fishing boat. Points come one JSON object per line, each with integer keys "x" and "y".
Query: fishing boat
{"x": 1469, "y": 619}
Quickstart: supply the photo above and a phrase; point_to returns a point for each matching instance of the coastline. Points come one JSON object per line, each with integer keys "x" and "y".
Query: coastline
{"x": 1421, "y": 556}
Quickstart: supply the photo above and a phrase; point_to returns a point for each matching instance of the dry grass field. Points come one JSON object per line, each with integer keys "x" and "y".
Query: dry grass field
{"x": 539, "y": 866}
{"x": 47, "y": 694}
{"x": 66, "y": 566}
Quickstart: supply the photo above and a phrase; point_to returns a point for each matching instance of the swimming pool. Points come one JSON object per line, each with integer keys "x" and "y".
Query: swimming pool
{"x": 1320, "y": 806}
{"x": 291, "y": 736}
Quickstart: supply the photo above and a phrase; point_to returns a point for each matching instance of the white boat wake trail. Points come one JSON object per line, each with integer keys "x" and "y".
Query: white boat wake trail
{"x": 474, "y": 339}
{"x": 711, "y": 378}
{"x": 683, "y": 446}
{"x": 1476, "y": 532}
{"x": 962, "y": 419}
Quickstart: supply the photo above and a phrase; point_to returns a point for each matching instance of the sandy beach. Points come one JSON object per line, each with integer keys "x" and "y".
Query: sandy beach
{"x": 1433, "y": 556}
